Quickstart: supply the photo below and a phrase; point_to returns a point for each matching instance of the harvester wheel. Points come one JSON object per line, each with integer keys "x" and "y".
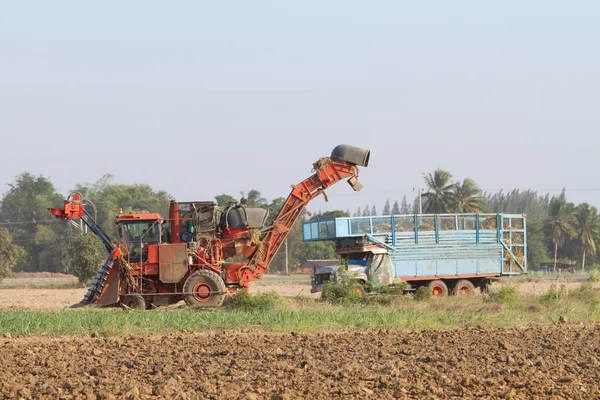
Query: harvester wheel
{"x": 438, "y": 288}
{"x": 133, "y": 301}
{"x": 464, "y": 287}
{"x": 204, "y": 288}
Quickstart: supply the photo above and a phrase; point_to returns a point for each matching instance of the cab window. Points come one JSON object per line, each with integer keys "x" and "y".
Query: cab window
{"x": 146, "y": 230}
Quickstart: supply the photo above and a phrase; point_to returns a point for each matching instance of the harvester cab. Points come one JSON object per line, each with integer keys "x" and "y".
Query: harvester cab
{"x": 138, "y": 231}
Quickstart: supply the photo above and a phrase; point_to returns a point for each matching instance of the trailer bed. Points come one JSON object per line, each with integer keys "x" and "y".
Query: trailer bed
{"x": 425, "y": 247}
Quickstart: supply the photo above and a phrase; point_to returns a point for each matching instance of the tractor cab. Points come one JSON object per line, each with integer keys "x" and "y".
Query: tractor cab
{"x": 138, "y": 231}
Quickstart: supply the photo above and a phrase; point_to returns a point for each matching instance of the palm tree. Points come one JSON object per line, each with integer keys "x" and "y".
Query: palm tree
{"x": 588, "y": 230}
{"x": 439, "y": 192}
{"x": 467, "y": 198}
{"x": 561, "y": 222}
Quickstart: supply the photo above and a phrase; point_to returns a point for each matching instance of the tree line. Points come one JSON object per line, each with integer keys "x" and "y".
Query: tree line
{"x": 32, "y": 240}
{"x": 558, "y": 231}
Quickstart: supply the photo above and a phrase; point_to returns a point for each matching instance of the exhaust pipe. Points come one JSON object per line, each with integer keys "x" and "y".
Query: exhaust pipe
{"x": 351, "y": 154}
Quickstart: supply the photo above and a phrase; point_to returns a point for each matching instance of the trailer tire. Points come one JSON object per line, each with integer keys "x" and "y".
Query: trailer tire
{"x": 204, "y": 288}
{"x": 437, "y": 288}
{"x": 133, "y": 301}
{"x": 464, "y": 287}
{"x": 357, "y": 290}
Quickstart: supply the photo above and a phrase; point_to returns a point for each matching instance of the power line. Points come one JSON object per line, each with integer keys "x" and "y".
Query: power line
{"x": 28, "y": 222}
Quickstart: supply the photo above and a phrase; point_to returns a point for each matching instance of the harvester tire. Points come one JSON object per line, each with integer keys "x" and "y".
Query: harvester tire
{"x": 204, "y": 288}
{"x": 133, "y": 301}
{"x": 464, "y": 287}
{"x": 438, "y": 288}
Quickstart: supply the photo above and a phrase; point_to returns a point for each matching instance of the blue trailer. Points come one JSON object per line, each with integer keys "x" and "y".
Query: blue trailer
{"x": 447, "y": 253}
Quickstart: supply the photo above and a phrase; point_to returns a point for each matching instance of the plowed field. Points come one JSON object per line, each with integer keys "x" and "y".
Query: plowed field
{"x": 560, "y": 361}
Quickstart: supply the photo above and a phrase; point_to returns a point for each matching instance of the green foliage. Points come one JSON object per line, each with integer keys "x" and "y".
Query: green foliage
{"x": 109, "y": 197}
{"x": 340, "y": 293}
{"x": 381, "y": 299}
{"x": 506, "y": 295}
{"x": 23, "y": 210}
{"x": 319, "y": 250}
{"x": 587, "y": 293}
{"x": 421, "y": 294}
{"x": 517, "y": 202}
{"x": 225, "y": 199}
{"x": 9, "y": 253}
{"x": 396, "y": 208}
{"x": 255, "y": 199}
{"x": 560, "y": 222}
{"x": 466, "y": 198}
{"x": 439, "y": 192}
{"x": 328, "y": 214}
{"x": 366, "y": 211}
{"x": 537, "y": 244}
{"x": 295, "y": 246}
{"x": 554, "y": 293}
{"x": 396, "y": 289}
{"x": 386, "y": 208}
{"x": 274, "y": 207}
{"x": 84, "y": 256}
{"x": 587, "y": 230}
{"x": 451, "y": 313}
{"x": 595, "y": 273}
{"x": 261, "y": 301}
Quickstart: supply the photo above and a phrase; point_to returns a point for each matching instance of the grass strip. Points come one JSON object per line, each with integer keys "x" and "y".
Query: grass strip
{"x": 450, "y": 313}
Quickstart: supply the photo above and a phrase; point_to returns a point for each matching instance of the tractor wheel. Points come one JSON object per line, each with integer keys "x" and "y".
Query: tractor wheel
{"x": 464, "y": 287}
{"x": 437, "y": 288}
{"x": 357, "y": 290}
{"x": 204, "y": 288}
{"x": 133, "y": 301}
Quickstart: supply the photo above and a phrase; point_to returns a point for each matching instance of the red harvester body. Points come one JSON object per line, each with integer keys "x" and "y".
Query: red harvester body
{"x": 202, "y": 251}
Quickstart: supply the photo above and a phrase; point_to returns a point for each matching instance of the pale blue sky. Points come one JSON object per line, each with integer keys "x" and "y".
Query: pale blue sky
{"x": 202, "y": 98}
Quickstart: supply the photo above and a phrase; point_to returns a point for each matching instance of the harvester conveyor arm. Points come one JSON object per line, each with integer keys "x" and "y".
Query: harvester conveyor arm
{"x": 328, "y": 171}
{"x": 98, "y": 231}
{"x": 74, "y": 208}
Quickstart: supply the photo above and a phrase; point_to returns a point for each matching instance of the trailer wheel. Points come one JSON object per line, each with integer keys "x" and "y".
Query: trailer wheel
{"x": 204, "y": 288}
{"x": 133, "y": 301}
{"x": 357, "y": 290}
{"x": 438, "y": 288}
{"x": 464, "y": 287}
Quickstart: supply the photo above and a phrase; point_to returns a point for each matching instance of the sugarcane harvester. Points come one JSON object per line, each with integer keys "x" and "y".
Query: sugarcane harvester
{"x": 202, "y": 252}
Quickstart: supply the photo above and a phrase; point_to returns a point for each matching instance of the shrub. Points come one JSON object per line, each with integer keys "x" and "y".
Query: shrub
{"x": 587, "y": 294}
{"x": 380, "y": 299}
{"x": 260, "y": 301}
{"x": 396, "y": 289}
{"x": 506, "y": 295}
{"x": 340, "y": 293}
{"x": 84, "y": 256}
{"x": 594, "y": 275}
{"x": 554, "y": 293}
{"x": 422, "y": 293}
{"x": 9, "y": 253}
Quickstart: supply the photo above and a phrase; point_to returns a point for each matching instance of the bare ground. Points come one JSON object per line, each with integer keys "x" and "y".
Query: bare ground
{"x": 33, "y": 294}
{"x": 536, "y": 362}
{"x": 35, "y": 297}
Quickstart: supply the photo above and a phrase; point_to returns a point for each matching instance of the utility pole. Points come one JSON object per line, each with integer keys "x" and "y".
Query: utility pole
{"x": 287, "y": 270}
{"x": 419, "y": 191}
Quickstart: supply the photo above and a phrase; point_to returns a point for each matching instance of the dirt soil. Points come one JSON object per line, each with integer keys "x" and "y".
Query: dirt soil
{"x": 536, "y": 362}
{"x": 38, "y": 298}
